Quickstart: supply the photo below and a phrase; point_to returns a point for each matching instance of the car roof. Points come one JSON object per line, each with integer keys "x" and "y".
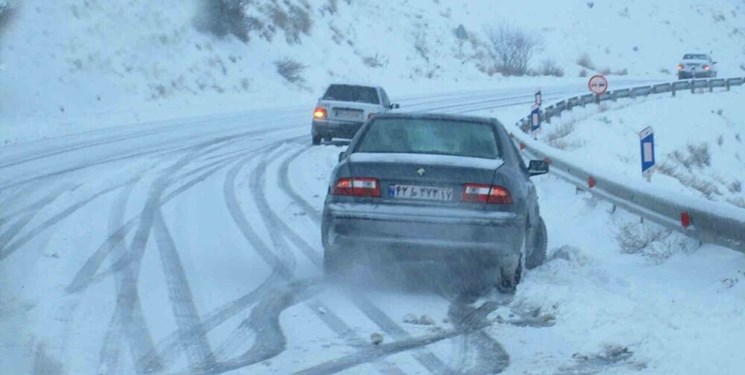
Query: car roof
{"x": 695, "y": 54}
{"x": 353, "y": 84}
{"x": 434, "y": 116}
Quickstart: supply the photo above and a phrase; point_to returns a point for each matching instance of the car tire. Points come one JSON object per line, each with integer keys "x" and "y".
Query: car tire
{"x": 509, "y": 277}
{"x": 316, "y": 140}
{"x": 538, "y": 246}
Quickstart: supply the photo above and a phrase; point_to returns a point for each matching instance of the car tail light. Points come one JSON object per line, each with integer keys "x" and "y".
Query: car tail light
{"x": 478, "y": 193}
{"x": 706, "y": 67}
{"x": 680, "y": 67}
{"x": 320, "y": 112}
{"x": 371, "y": 115}
{"x": 357, "y": 187}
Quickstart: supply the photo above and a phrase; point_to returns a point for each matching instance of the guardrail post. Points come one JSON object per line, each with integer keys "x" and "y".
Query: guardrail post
{"x": 693, "y": 86}
{"x": 726, "y": 84}
{"x": 672, "y": 89}
{"x": 711, "y": 86}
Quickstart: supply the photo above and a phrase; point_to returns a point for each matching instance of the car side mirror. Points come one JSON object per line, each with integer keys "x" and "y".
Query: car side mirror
{"x": 342, "y": 156}
{"x": 395, "y": 106}
{"x": 537, "y": 167}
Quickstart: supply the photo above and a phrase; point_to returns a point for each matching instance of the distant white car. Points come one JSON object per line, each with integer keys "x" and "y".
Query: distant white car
{"x": 697, "y": 65}
{"x": 343, "y": 108}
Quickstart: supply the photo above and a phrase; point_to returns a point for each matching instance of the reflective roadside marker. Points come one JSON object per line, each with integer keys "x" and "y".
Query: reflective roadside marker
{"x": 646, "y": 142}
{"x": 547, "y": 160}
{"x": 591, "y": 182}
{"x": 685, "y": 219}
{"x": 522, "y": 146}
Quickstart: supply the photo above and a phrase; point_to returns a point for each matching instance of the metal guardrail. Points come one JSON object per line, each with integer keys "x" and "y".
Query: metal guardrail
{"x": 710, "y": 222}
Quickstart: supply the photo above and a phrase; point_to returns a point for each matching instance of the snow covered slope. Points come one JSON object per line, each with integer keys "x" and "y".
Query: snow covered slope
{"x": 699, "y": 141}
{"x": 70, "y": 65}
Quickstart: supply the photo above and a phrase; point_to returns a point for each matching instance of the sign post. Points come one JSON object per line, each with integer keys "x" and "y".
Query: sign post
{"x": 646, "y": 141}
{"x": 598, "y": 85}
{"x": 535, "y": 120}
{"x": 535, "y": 114}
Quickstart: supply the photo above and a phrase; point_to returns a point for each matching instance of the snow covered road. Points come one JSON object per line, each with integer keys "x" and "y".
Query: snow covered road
{"x": 194, "y": 247}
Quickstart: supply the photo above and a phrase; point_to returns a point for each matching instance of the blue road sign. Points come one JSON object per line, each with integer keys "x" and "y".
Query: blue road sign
{"x": 535, "y": 119}
{"x": 646, "y": 141}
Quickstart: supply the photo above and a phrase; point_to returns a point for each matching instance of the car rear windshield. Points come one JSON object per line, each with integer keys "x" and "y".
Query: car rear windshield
{"x": 695, "y": 57}
{"x": 349, "y": 93}
{"x": 431, "y": 136}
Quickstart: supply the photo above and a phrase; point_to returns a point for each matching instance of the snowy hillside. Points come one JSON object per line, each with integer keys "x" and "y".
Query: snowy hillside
{"x": 70, "y": 65}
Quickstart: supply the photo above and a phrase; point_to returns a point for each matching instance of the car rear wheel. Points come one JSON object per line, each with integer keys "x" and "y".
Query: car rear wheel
{"x": 537, "y": 245}
{"x": 510, "y": 275}
{"x": 316, "y": 140}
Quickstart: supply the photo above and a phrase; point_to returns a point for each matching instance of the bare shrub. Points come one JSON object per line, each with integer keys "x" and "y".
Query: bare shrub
{"x": 735, "y": 187}
{"x": 295, "y": 21}
{"x": 689, "y": 179}
{"x": 582, "y": 73}
{"x": 7, "y": 14}
{"x": 665, "y": 71}
{"x": 332, "y": 6}
{"x": 634, "y": 237}
{"x": 549, "y": 67}
{"x": 420, "y": 45}
{"x": 621, "y": 72}
{"x": 584, "y": 61}
{"x": 557, "y": 137}
{"x": 222, "y": 18}
{"x": 375, "y": 61}
{"x": 243, "y": 18}
{"x": 651, "y": 241}
{"x": 605, "y": 71}
{"x": 511, "y": 50}
{"x": 291, "y": 70}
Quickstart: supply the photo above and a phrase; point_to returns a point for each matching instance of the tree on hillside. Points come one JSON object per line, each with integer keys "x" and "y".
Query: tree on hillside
{"x": 512, "y": 49}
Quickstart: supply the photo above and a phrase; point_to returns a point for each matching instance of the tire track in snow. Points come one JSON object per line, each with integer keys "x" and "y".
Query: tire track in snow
{"x": 88, "y": 272}
{"x": 28, "y": 213}
{"x": 109, "y": 354}
{"x": 273, "y": 221}
{"x": 10, "y": 248}
{"x": 128, "y": 314}
{"x": 196, "y": 345}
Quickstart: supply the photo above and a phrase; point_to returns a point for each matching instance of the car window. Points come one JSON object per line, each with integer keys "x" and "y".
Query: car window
{"x": 384, "y": 96}
{"x": 695, "y": 57}
{"x": 430, "y": 136}
{"x": 349, "y": 93}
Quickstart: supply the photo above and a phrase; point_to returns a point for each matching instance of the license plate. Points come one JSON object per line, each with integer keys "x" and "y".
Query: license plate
{"x": 347, "y": 114}
{"x": 431, "y": 193}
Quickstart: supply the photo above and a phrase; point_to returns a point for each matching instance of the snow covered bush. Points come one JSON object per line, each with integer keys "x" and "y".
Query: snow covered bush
{"x": 291, "y": 70}
{"x": 652, "y": 241}
{"x": 511, "y": 49}
{"x": 7, "y": 11}
{"x": 549, "y": 67}
{"x": 223, "y": 18}
{"x": 244, "y": 18}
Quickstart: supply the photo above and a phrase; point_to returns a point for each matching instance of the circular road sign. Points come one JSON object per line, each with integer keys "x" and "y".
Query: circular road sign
{"x": 598, "y": 84}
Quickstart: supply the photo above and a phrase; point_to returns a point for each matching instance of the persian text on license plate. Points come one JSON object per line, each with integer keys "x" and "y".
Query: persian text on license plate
{"x": 420, "y": 192}
{"x": 352, "y": 115}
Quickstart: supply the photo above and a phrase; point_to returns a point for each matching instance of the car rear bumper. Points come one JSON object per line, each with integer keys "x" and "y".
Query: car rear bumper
{"x": 335, "y": 128}
{"x": 696, "y": 74}
{"x": 422, "y": 233}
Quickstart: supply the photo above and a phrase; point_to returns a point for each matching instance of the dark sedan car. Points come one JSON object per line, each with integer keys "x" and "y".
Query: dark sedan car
{"x": 424, "y": 187}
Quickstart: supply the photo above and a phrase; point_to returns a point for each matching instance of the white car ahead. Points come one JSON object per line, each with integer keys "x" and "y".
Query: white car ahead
{"x": 343, "y": 109}
{"x": 697, "y": 65}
